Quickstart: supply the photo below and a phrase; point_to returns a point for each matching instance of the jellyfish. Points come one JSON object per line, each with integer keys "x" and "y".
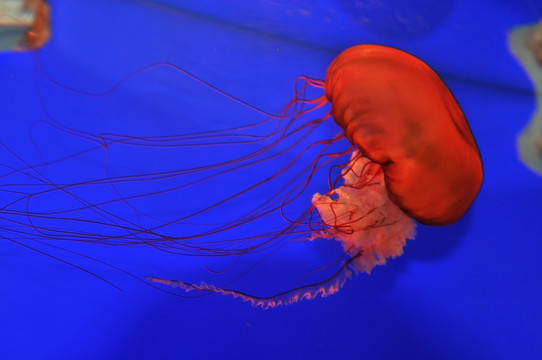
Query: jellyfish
{"x": 403, "y": 152}
{"x": 526, "y": 44}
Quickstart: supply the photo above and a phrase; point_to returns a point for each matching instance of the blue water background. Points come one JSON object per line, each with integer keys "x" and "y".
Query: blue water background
{"x": 467, "y": 291}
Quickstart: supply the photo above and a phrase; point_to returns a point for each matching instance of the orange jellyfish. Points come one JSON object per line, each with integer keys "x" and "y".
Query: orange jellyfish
{"x": 412, "y": 157}
{"x": 416, "y": 158}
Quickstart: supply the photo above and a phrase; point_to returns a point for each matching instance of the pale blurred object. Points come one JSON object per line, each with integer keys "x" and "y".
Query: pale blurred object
{"x": 24, "y": 24}
{"x": 526, "y": 44}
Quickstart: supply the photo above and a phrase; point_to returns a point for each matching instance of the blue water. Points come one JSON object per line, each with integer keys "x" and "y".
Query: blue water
{"x": 467, "y": 291}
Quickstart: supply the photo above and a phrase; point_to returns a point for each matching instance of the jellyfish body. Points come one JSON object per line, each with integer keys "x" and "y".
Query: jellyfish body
{"x": 401, "y": 115}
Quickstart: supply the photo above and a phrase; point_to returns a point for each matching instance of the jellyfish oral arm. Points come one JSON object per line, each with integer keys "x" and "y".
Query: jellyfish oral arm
{"x": 361, "y": 216}
{"x": 323, "y": 288}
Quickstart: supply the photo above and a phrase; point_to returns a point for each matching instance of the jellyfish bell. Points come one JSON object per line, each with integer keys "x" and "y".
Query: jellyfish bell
{"x": 368, "y": 204}
{"x": 401, "y": 115}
